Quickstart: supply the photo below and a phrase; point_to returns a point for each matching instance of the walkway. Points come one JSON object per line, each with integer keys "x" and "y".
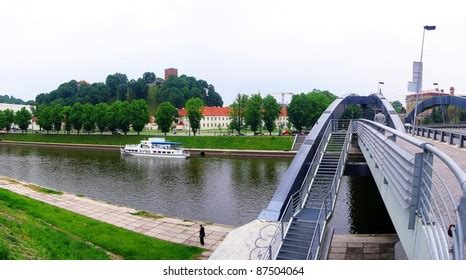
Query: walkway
{"x": 169, "y": 229}
{"x": 363, "y": 247}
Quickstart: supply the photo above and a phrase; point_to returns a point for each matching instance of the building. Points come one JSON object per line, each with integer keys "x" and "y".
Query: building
{"x": 219, "y": 118}
{"x": 16, "y": 107}
{"x": 170, "y": 72}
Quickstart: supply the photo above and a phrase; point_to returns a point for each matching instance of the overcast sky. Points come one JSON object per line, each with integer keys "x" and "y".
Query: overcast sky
{"x": 238, "y": 46}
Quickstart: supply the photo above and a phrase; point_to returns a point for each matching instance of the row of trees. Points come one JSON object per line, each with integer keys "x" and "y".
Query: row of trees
{"x": 176, "y": 90}
{"x": 119, "y": 115}
{"x": 254, "y": 112}
{"x": 22, "y": 118}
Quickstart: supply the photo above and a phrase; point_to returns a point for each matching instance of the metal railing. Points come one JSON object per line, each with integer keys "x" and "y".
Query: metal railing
{"x": 454, "y": 138}
{"x": 330, "y": 199}
{"x": 298, "y": 198}
{"x": 419, "y": 185}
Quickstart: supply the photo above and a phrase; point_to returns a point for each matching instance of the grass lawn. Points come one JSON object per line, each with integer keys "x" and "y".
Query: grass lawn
{"x": 31, "y": 229}
{"x": 278, "y": 143}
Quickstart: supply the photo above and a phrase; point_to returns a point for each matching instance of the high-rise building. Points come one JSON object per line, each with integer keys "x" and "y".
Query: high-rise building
{"x": 171, "y": 72}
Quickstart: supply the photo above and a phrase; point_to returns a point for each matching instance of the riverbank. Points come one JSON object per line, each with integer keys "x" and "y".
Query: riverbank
{"x": 47, "y": 221}
{"x": 193, "y": 151}
{"x": 261, "y": 143}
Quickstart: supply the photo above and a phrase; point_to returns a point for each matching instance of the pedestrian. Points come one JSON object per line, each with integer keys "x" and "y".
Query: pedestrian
{"x": 379, "y": 117}
{"x": 202, "y": 235}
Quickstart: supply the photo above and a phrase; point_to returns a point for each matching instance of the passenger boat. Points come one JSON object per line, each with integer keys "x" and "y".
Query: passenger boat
{"x": 155, "y": 147}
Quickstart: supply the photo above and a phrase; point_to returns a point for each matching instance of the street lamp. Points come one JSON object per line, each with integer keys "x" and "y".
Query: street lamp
{"x": 379, "y": 88}
{"x": 419, "y": 85}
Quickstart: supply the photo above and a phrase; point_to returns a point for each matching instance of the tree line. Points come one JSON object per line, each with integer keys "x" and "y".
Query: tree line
{"x": 22, "y": 118}
{"x": 117, "y": 87}
{"x": 120, "y": 115}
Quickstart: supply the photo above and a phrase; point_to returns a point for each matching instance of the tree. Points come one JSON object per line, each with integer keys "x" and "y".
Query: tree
{"x": 66, "y": 119}
{"x": 2, "y": 120}
{"x": 100, "y": 116}
{"x": 352, "y": 112}
{"x": 87, "y": 118}
{"x": 398, "y": 107}
{"x": 111, "y": 118}
{"x": 252, "y": 112}
{"x": 194, "y": 113}
{"x": 76, "y": 116}
{"x": 319, "y": 101}
{"x": 124, "y": 116}
{"x": 23, "y": 119}
{"x": 9, "y": 119}
{"x": 237, "y": 112}
{"x": 299, "y": 111}
{"x": 164, "y": 116}
{"x": 44, "y": 119}
{"x": 117, "y": 84}
{"x": 148, "y": 77}
{"x": 270, "y": 112}
{"x": 138, "y": 89}
{"x": 56, "y": 116}
{"x": 139, "y": 114}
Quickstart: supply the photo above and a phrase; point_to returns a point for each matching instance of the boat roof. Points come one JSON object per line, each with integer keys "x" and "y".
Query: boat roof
{"x": 160, "y": 142}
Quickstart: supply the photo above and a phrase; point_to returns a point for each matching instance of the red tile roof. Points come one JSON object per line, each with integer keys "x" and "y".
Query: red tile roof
{"x": 221, "y": 111}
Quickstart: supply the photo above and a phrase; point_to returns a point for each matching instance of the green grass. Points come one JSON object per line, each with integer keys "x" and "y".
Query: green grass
{"x": 30, "y": 229}
{"x": 34, "y": 187}
{"x": 278, "y": 143}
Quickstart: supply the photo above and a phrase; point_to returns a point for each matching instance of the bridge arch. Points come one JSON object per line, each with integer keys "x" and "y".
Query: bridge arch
{"x": 435, "y": 101}
{"x": 296, "y": 173}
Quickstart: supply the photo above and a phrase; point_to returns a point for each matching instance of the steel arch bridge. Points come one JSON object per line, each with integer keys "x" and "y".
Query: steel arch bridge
{"x": 435, "y": 101}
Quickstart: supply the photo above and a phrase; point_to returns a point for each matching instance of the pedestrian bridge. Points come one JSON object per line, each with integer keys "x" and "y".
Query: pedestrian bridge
{"x": 421, "y": 182}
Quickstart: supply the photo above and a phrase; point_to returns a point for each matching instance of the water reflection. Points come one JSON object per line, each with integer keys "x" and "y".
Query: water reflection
{"x": 223, "y": 190}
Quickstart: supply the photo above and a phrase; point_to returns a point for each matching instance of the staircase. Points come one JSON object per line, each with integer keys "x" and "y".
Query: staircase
{"x": 298, "y": 237}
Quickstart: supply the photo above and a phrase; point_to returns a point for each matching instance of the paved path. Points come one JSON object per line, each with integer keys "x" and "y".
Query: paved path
{"x": 363, "y": 247}
{"x": 169, "y": 229}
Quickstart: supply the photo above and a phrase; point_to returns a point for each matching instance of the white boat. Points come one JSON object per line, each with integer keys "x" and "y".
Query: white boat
{"x": 155, "y": 147}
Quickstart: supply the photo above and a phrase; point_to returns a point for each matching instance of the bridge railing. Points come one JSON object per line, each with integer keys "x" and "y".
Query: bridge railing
{"x": 454, "y": 138}
{"x": 423, "y": 181}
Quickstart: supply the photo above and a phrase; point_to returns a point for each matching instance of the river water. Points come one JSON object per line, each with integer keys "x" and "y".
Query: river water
{"x": 222, "y": 190}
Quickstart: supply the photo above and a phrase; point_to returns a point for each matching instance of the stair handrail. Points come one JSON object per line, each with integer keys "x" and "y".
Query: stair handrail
{"x": 295, "y": 201}
{"x": 331, "y": 195}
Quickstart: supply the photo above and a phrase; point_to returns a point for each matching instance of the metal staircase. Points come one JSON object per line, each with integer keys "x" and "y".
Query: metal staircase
{"x": 301, "y": 232}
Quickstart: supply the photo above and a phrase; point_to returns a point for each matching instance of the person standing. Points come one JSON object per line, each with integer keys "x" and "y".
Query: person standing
{"x": 202, "y": 234}
{"x": 379, "y": 117}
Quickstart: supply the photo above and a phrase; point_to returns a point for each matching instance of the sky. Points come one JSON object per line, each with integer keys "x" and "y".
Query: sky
{"x": 238, "y": 46}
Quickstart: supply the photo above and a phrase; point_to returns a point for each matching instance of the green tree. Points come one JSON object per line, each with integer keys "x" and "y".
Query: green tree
{"x": 237, "y": 112}
{"x": 319, "y": 101}
{"x": 124, "y": 116}
{"x": 270, "y": 112}
{"x": 76, "y": 116}
{"x": 44, "y": 117}
{"x": 88, "y": 118}
{"x": 148, "y": 77}
{"x": 139, "y": 114}
{"x": 112, "y": 116}
{"x": 100, "y": 116}
{"x": 194, "y": 113}
{"x": 352, "y": 112}
{"x": 9, "y": 119}
{"x": 164, "y": 116}
{"x": 2, "y": 120}
{"x": 66, "y": 119}
{"x": 252, "y": 112}
{"x": 299, "y": 111}
{"x": 398, "y": 107}
{"x": 138, "y": 89}
{"x": 23, "y": 119}
{"x": 117, "y": 84}
{"x": 56, "y": 116}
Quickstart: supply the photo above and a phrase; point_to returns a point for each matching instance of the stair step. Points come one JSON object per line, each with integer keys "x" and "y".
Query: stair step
{"x": 294, "y": 249}
{"x": 291, "y": 255}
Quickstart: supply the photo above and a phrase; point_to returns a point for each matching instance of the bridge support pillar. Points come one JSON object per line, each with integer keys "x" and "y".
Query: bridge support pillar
{"x": 421, "y": 161}
{"x": 461, "y": 141}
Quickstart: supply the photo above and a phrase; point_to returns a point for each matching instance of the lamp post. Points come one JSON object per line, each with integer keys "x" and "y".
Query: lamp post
{"x": 379, "y": 88}
{"x": 419, "y": 85}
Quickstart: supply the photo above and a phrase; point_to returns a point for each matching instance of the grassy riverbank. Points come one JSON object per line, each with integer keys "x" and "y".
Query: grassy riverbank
{"x": 30, "y": 229}
{"x": 276, "y": 143}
